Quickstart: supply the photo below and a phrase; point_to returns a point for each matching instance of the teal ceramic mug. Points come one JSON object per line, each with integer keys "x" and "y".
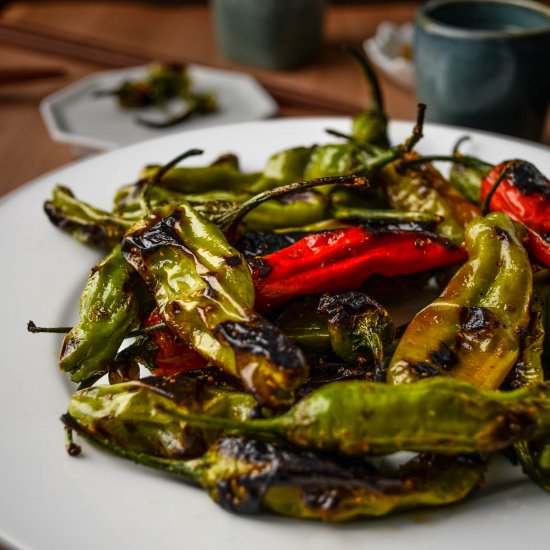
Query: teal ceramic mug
{"x": 484, "y": 64}
{"x": 273, "y": 34}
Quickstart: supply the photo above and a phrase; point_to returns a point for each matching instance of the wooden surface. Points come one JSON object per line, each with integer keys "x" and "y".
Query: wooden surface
{"x": 175, "y": 32}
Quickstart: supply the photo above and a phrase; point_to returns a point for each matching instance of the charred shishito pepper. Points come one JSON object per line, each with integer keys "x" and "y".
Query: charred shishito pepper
{"x": 160, "y": 351}
{"x": 136, "y": 414}
{"x": 437, "y": 415}
{"x": 205, "y": 294}
{"x": 108, "y": 311}
{"x": 421, "y": 187}
{"x": 518, "y": 188}
{"x": 474, "y": 329}
{"x": 250, "y": 476}
{"x": 343, "y": 259}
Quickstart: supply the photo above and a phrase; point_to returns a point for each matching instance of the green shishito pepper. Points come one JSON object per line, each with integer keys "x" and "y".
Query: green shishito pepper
{"x": 108, "y": 311}
{"x": 531, "y": 368}
{"x": 474, "y": 329}
{"x": 437, "y": 415}
{"x": 131, "y": 414}
{"x": 204, "y": 292}
{"x": 85, "y": 223}
{"x": 421, "y": 187}
{"x": 249, "y": 476}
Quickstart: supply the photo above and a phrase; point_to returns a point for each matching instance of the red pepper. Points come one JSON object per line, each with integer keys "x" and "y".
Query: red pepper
{"x": 172, "y": 355}
{"x": 523, "y": 194}
{"x": 341, "y": 260}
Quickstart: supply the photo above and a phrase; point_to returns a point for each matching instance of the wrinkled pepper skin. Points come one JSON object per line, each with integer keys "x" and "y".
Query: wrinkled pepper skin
{"x": 436, "y": 415}
{"x": 359, "y": 327}
{"x": 341, "y": 260}
{"x": 523, "y": 194}
{"x": 530, "y": 369}
{"x": 467, "y": 179}
{"x": 473, "y": 330}
{"x": 201, "y": 179}
{"x": 136, "y": 415}
{"x": 421, "y": 187}
{"x": 108, "y": 311}
{"x": 353, "y": 326}
{"x": 159, "y": 351}
{"x": 205, "y": 294}
{"x": 251, "y": 476}
{"x": 85, "y": 223}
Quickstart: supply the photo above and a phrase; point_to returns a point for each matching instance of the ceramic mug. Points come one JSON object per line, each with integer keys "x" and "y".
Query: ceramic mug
{"x": 484, "y": 64}
{"x": 272, "y": 34}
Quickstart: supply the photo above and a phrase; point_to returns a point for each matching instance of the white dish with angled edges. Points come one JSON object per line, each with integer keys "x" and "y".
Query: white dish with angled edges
{"x": 75, "y": 116}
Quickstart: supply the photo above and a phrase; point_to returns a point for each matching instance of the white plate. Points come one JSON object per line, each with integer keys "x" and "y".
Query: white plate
{"x": 74, "y": 116}
{"x": 50, "y": 501}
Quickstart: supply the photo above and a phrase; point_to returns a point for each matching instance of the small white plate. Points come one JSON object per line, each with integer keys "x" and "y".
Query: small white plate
{"x": 74, "y": 116}
{"x": 390, "y": 49}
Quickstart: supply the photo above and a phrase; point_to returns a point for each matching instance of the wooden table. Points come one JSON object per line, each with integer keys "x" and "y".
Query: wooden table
{"x": 177, "y": 32}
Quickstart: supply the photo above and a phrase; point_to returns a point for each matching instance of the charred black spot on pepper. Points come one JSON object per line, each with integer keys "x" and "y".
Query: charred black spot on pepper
{"x": 150, "y": 239}
{"x": 391, "y": 226}
{"x": 424, "y": 370}
{"x": 477, "y": 318}
{"x": 340, "y": 306}
{"x": 262, "y": 339}
{"x": 444, "y": 357}
{"x": 260, "y": 267}
{"x": 234, "y": 261}
{"x": 265, "y": 465}
{"x": 261, "y": 243}
{"x": 503, "y": 235}
{"x": 527, "y": 178}
{"x": 95, "y": 235}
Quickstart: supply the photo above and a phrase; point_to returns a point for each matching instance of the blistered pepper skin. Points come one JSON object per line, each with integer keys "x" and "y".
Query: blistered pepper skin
{"x": 437, "y": 415}
{"x": 523, "y": 193}
{"x": 473, "y": 330}
{"x": 204, "y": 293}
{"x": 136, "y": 415}
{"x": 341, "y": 260}
{"x": 421, "y": 187}
{"x": 108, "y": 311}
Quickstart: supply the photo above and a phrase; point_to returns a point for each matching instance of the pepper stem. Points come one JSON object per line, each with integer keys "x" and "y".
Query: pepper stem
{"x": 149, "y": 184}
{"x": 394, "y": 153}
{"x": 72, "y": 448}
{"x": 231, "y": 219}
{"x": 376, "y": 93}
{"x": 191, "y": 469}
{"x": 472, "y": 162}
{"x": 458, "y": 143}
{"x": 487, "y": 202}
{"x": 34, "y": 329}
{"x": 417, "y": 134}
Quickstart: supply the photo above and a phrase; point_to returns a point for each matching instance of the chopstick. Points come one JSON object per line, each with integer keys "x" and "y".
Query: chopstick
{"x": 42, "y": 39}
{"x": 9, "y": 75}
{"x": 110, "y": 56}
